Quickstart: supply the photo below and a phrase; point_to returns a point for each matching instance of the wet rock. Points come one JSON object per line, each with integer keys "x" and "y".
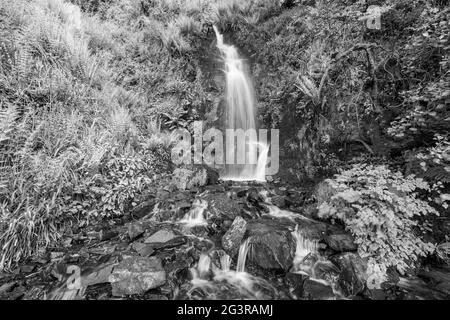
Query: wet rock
{"x": 97, "y": 275}
{"x": 278, "y": 201}
{"x": 219, "y": 205}
{"x": 253, "y": 196}
{"x": 136, "y": 275}
{"x": 161, "y": 236}
{"x": 341, "y": 242}
{"x": 144, "y": 250}
{"x": 194, "y": 176}
{"x": 326, "y": 270}
{"x": 233, "y": 237}
{"x": 104, "y": 235}
{"x": 317, "y": 290}
{"x": 295, "y": 282}
{"x": 272, "y": 244}
{"x": 135, "y": 230}
{"x": 439, "y": 279}
{"x": 143, "y": 209}
{"x": 352, "y": 275}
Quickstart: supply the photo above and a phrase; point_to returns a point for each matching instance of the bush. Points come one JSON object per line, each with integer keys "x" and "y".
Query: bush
{"x": 379, "y": 207}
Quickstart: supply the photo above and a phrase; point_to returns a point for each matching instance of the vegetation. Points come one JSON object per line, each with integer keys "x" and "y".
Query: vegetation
{"x": 380, "y": 208}
{"x": 90, "y": 90}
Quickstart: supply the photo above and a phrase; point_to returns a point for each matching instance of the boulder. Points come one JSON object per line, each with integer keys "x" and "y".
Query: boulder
{"x": 143, "y": 209}
{"x": 278, "y": 201}
{"x": 317, "y": 290}
{"x": 136, "y": 275}
{"x": 221, "y": 206}
{"x": 135, "y": 230}
{"x": 233, "y": 237}
{"x": 161, "y": 236}
{"x": 272, "y": 244}
{"x": 352, "y": 275}
{"x": 341, "y": 242}
{"x": 193, "y": 176}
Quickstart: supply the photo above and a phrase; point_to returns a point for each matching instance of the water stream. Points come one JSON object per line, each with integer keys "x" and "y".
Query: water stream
{"x": 241, "y": 114}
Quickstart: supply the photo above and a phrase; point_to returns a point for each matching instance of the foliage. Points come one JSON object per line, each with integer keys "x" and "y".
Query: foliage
{"x": 380, "y": 208}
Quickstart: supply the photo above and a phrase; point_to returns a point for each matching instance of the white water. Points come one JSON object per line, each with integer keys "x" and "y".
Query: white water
{"x": 304, "y": 248}
{"x": 241, "y": 114}
{"x": 242, "y": 257}
{"x": 195, "y": 216}
{"x": 240, "y": 281}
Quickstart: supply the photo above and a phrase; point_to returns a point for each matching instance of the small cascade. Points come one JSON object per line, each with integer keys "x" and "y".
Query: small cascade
{"x": 242, "y": 257}
{"x": 204, "y": 263}
{"x": 225, "y": 262}
{"x": 195, "y": 216}
{"x": 306, "y": 252}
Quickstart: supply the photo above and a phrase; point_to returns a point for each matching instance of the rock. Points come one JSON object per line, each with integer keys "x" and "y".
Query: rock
{"x": 135, "y": 230}
{"x": 272, "y": 244}
{"x": 136, "y": 275}
{"x": 278, "y": 201}
{"x": 352, "y": 275}
{"x": 219, "y": 205}
{"x": 233, "y": 237}
{"x": 317, "y": 290}
{"x": 194, "y": 176}
{"x": 143, "y": 249}
{"x": 143, "y": 209}
{"x": 295, "y": 282}
{"x": 253, "y": 196}
{"x": 161, "y": 236}
{"x": 326, "y": 270}
{"x": 100, "y": 274}
{"x": 104, "y": 235}
{"x": 341, "y": 242}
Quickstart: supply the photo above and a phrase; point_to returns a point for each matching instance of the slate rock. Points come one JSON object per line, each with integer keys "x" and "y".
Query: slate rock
{"x": 136, "y": 275}
{"x": 352, "y": 275}
{"x": 233, "y": 237}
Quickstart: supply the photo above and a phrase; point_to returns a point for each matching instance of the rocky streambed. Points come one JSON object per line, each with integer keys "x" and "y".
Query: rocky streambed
{"x": 220, "y": 241}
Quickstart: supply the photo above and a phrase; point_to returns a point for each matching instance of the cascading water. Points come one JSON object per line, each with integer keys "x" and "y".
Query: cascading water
{"x": 195, "y": 216}
{"x": 304, "y": 248}
{"x": 241, "y": 114}
{"x": 242, "y": 257}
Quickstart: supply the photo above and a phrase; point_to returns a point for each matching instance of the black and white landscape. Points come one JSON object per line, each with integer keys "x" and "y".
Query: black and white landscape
{"x": 224, "y": 150}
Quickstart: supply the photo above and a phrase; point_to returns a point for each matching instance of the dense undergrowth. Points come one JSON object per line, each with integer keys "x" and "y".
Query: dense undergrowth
{"x": 90, "y": 90}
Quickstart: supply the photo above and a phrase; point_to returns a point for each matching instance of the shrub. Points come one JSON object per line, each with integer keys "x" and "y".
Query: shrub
{"x": 379, "y": 207}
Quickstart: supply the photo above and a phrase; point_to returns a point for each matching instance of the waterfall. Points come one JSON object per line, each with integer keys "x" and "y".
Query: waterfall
{"x": 242, "y": 257}
{"x": 195, "y": 216}
{"x": 241, "y": 114}
{"x": 304, "y": 248}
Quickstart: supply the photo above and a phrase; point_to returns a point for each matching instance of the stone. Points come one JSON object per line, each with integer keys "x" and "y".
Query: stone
{"x": 253, "y": 196}
{"x": 295, "y": 283}
{"x": 161, "y": 236}
{"x": 107, "y": 234}
{"x": 135, "y": 230}
{"x": 272, "y": 244}
{"x": 233, "y": 237}
{"x": 341, "y": 242}
{"x": 317, "y": 290}
{"x": 352, "y": 275}
{"x": 143, "y": 249}
{"x": 194, "y": 176}
{"x": 278, "y": 201}
{"x": 136, "y": 275}
{"x": 143, "y": 209}
{"x": 220, "y": 205}
{"x": 100, "y": 274}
